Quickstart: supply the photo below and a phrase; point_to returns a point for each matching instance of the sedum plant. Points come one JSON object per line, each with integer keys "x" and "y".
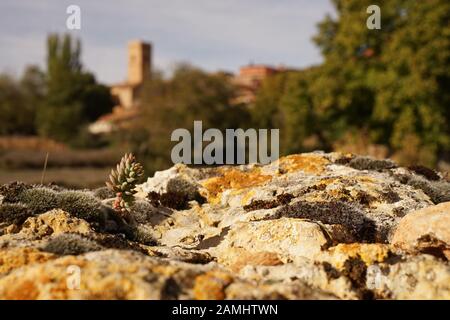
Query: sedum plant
{"x": 123, "y": 182}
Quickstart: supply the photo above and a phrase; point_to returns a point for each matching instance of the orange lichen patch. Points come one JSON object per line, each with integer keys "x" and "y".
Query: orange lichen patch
{"x": 237, "y": 258}
{"x": 308, "y": 163}
{"x": 26, "y": 290}
{"x": 233, "y": 179}
{"x": 17, "y": 257}
{"x": 40, "y": 281}
{"x": 369, "y": 253}
{"x": 212, "y": 285}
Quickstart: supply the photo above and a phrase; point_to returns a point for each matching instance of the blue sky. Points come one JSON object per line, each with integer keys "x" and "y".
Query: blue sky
{"x": 211, "y": 34}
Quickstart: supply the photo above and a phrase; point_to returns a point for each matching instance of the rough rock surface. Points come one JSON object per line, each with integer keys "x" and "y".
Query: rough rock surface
{"x": 426, "y": 230}
{"x": 308, "y": 226}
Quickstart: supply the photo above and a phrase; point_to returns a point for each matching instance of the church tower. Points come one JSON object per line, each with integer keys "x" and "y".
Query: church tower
{"x": 139, "y": 62}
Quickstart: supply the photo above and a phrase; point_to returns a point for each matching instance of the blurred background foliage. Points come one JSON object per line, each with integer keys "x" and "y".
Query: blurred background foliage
{"x": 189, "y": 95}
{"x": 387, "y": 87}
{"x": 379, "y": 92}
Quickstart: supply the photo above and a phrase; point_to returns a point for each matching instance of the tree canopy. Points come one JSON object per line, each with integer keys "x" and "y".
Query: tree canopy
{"x": 73, "y": 98}
{"x": 390, "y": 84}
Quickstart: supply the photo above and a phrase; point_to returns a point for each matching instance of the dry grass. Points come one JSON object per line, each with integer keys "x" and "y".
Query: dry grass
{"x": 77, "y": 178}
{"x": 23, "y": 159}
{"x": 30, "y": 143}
{"x": 31, "y": 159}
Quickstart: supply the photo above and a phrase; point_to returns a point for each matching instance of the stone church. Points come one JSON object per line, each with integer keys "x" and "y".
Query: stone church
{"x": 126, "y": 93}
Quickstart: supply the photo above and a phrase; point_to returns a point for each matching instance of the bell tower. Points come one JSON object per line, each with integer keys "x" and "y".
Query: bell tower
{"x": 139, "y": 61}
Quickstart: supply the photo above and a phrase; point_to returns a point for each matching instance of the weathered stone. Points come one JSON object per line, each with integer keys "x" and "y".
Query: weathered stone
{"x": 179, "y": 254}
{"x": 178, "y": 179}
{"x": 318, "y": 275}
{"x": 309, "y": 226}
{"x": 115, "y": 274}
{"x": 419, "y": 277}
{"x": 52, "y": 223}
{"x": 13, "y": 258}
{"x": 368, "y": 253}
{"x": 425, "y": 230}
{"x": 232, "y": 179}
{"x": 295, "y": 290}
{"x": 283, "y": 238}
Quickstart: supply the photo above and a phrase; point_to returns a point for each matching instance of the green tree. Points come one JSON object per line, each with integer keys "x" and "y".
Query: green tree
{"x": 299, "y": 119}
{"x": 73, "y": 98}
{"x": 413, "y": 98}
{"x": 19, "y": 100}
{"x": 284, "y": 101}
{"x": 390, "y": 85}
{"x": 265, "y": 110}
{"x": 392, "y": 81}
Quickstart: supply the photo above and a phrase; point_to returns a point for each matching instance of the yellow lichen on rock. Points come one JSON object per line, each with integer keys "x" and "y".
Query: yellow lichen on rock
{"x": 246, "y": 197}
{"x": 211, "y": 285}
{"x": 231, "y": 178}
{"x": 237, "y": 258}
{"x": 12, "y": 258}
{"x": 369, "y": 253}
{"x": 54, "y": 222}
{"x": 308, "y": 163}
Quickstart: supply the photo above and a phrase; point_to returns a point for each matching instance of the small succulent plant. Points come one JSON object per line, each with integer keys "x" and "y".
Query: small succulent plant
{"x": 123, "y": 182}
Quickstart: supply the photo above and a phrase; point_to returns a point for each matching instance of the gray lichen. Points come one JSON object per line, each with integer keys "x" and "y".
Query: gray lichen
{"x": 80, "y": 204}
{"x": 39, "y": 200}
{"x": 70, "y": 244}
{"x": 14, "y": 213}
{"x": 369, "y": 163}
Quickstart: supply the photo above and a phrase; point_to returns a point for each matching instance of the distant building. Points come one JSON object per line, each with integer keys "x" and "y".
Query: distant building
{"x": 126, "y": 94}
{"x": 249, "y": 80}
